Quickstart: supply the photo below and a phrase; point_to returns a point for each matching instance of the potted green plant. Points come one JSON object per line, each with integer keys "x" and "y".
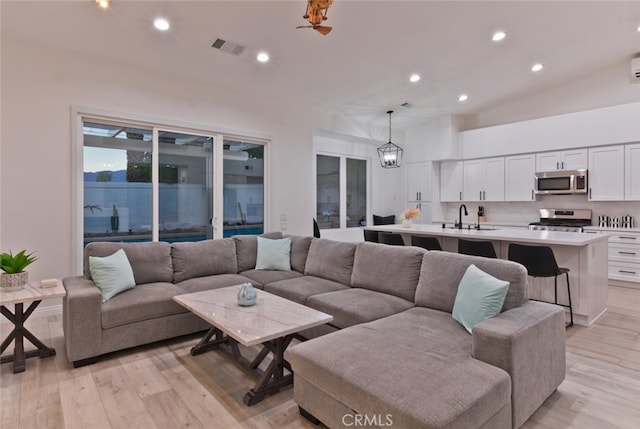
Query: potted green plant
{"x": 14, "y": 276}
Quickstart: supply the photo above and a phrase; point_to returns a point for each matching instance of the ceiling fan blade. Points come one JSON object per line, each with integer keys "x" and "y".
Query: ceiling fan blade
{"x": 324, "y": 30}
{"x": 304, "y": 26}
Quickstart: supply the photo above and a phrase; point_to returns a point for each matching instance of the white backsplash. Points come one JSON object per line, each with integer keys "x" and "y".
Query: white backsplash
{"x": 526, "y": 212}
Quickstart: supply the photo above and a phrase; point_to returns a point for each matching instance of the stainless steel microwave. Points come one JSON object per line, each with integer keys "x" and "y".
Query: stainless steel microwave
{"x": 561, "y": 182}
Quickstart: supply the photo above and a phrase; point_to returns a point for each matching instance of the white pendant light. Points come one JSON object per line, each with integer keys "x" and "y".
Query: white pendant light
{"x": 390, "y": 154}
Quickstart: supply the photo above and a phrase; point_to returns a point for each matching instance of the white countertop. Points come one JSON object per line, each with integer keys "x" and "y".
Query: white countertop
{"x": 509, "y": 235}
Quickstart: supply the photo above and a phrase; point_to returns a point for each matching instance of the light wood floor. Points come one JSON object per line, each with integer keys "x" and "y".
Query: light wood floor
{"x": 162, "y": 386}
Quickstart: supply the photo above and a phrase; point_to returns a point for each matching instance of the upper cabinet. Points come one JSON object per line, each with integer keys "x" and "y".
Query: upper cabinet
{"x": 419, "y": 181}
{"x": 451, "y": 181}
{"x": 632, "y": 172}
{"x": 483, "y": 180}
{"x": 575, "y": 159}
{"x": 519, "y": 180}
{"x": 606, "y": 173}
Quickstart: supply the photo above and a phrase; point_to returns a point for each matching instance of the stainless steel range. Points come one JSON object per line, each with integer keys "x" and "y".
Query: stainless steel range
{"x": 562, "y": 220}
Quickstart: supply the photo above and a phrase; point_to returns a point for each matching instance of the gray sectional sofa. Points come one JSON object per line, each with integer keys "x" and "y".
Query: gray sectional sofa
{"x": 393, "y": 353}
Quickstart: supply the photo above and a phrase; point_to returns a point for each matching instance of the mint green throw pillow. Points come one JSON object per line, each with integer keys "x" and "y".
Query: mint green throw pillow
{"x": 274, "y": 254}
{"x": 480, "y": 296}
{"x": 112, "y": 274}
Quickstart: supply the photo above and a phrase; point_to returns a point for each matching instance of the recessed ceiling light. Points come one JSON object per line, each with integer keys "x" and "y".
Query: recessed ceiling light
{"x": 263, "y": 57}
{"x": 161, "y": 24}
{"x": 498, "y": 36}
{"x": 638, "y": 29}
{"x": 103, "y": 4}
{"x": 537, "y": 67}
{"x": 414, "y": 77}
{"x": 463, "y": 97}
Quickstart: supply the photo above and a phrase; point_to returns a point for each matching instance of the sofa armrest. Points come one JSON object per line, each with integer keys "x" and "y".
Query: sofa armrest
{"x": 528, "y": 342}
{"x": 81, "y": 318}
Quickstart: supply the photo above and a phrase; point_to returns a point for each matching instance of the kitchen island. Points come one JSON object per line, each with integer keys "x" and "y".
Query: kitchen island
{"x": 585, "y": 255}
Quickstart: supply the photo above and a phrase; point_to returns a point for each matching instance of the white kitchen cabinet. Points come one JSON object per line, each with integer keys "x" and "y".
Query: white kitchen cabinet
{"x": 519, "y": 177}
{"x": 451, "y": 181}
{"x": 419, "y": 181}
{"x": 472, "y": 180}
{"x": 624, "y": 256}
{"x": 606, "y": 173}
{"x": 632, "y": 172}
{"x": 574, "y": 159}
{"x": 483, "y": 180}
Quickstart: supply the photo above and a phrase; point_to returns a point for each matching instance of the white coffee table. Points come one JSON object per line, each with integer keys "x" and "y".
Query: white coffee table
{"x": 33, "y": 293}
{"x": 272, "y": 322}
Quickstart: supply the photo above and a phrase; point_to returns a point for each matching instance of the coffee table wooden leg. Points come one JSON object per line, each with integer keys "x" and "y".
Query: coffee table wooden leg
{"x": 273, "y": 379}
{"x": 206, "y": 343}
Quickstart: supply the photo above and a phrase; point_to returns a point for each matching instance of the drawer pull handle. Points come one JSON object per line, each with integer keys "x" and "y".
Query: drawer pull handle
{"x": 627, "y": 272}
{"x": 627, "y": 253}
{"x": 622, "y": 237}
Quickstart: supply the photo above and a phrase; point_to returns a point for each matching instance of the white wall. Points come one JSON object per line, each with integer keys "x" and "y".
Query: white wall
{"x": 434, "y": 140}
{"x": 610, "y": 86}
{"x": 39, "y": 88}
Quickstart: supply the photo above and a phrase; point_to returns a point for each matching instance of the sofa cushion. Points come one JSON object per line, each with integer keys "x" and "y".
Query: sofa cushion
{"x": 372, "y": 263}
{"x": 247, "y": 249}
{"x": 332, "y": 260}
{"x": 442, "y": 271}
{"x": 112, "y": 274}
{"x": 144, "y": 302}
{"x": 299, "y": 252}
{"x": 354, "y": 305}
{"x": 151, "y": 262}
{"x": 259, "y": 278}
{"x": 198, "y": 284}
{"x": 273, "y": 254}
{"x": 480, "y": 296}
{"x": 203, "y": 258}
{"x": 418, "y": 369}
{"x": 301, "y": 288}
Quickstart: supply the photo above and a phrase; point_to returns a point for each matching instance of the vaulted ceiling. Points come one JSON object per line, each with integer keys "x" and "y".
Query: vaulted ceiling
{"x": 362, "y": 68}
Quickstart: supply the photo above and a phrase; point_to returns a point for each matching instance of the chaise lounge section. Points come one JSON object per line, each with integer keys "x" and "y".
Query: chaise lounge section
{"x": 419, "y": 368}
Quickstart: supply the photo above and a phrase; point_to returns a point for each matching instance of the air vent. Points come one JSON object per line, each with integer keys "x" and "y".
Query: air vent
{"x": 226, "y": 46}
{"x": 635, "y": 70}
{"x": 406, "y": 104}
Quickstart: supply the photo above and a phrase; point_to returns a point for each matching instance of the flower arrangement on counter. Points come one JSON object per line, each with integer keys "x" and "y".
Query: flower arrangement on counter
{"x": 410, "y": 213}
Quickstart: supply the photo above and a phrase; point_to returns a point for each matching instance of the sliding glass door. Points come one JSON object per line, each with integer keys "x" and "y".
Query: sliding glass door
{"x": 185, "y": 186}
{"x": 143, "y": 184}
{"x": 118, "y": 197}
{"x": 158, "y": 183}
{"x": 243, "y": 199}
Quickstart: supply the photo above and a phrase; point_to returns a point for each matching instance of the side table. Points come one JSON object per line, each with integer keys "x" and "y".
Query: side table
{"x": 34, "y": 294}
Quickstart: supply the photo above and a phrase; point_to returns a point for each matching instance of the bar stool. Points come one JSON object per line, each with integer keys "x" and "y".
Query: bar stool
{"x": 541, "y": 262}
{"x": 429, "y": 243}
{"x": 316, "y": 229}
{"x": 390, "y": 238}
{"x": 384, "y": 220}
{"x": 370, "y": 235}
{"x": 477, "y": 248}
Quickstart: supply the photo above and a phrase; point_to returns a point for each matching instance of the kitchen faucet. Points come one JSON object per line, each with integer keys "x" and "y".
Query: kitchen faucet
{"x": 459, "y": 224}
